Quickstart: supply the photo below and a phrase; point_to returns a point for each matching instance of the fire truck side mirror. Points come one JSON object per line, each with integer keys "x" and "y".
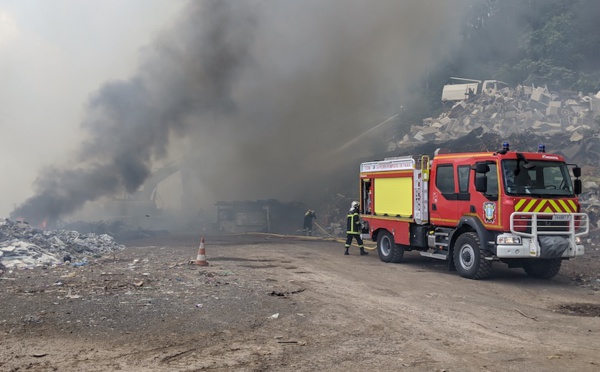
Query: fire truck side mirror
{"x": 482, "y": 168}
{"x": 577, "y": 172}
{"x": 577, "y": 186}
{"x": 481, "y": 183}
{"x": 481, "y": 179}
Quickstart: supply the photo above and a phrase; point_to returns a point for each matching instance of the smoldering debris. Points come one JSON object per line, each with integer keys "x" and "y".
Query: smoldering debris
{"x": 23, "y": 246}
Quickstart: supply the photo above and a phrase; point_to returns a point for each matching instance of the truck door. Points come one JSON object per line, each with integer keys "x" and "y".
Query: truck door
{"x": 453, "y": 196}
{"x": 486, "y": 204}
{"x": 444, "y": 197}
{"x": 463, "y": 197}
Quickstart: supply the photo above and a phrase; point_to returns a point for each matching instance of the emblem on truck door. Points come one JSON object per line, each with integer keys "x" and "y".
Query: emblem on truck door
{"x": 489, "y": 212}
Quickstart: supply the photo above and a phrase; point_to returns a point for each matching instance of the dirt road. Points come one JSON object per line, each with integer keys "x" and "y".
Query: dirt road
{"x": 282, "y": 304}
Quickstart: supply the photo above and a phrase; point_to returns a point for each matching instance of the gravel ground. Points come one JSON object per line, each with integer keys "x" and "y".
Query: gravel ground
{"x": 281, "y": 303}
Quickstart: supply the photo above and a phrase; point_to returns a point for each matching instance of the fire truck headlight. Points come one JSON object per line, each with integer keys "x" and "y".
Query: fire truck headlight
{"x": 578, "y": 240}
{"x": 509, "y": 239}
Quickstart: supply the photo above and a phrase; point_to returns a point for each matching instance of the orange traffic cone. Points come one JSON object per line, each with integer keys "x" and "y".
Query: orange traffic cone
{"x": 201, "y": 258}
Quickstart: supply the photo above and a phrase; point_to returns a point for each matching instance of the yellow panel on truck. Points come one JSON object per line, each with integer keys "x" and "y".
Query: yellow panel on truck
{"x": 396, "y": 187}
{"x": 394, "y": 196}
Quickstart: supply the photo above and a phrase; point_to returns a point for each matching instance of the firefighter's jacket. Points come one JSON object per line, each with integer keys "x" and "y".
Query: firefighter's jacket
{"x": 353, "y": 225}
{"x": 309, "y": 216}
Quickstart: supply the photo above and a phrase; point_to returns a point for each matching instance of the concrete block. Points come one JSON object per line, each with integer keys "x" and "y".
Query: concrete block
{"x": 541, "y": 95}
{"x": 429, "y": 130}
{"x": 555, "y": 104}
{"x": 576, "y": 108}
{"x": 552, "y": 110}
{"x": 576, "y": 137}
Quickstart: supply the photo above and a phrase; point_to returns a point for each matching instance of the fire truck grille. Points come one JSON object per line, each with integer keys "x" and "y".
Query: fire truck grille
{"x": 548, "y": 225}
{"x": 530, "y": 224}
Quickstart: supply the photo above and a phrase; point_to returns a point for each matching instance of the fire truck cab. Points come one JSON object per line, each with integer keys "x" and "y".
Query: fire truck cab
{"x": 472, "y": 209}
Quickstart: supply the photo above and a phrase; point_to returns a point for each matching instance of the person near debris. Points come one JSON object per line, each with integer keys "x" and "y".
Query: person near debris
{"x": 309, "y": 216}
{"x": 354, "y": 229}
{"x": 470, "y": 93}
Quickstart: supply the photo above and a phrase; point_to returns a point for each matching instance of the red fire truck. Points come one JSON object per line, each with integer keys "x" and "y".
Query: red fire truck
{"x": 472, "y": 209}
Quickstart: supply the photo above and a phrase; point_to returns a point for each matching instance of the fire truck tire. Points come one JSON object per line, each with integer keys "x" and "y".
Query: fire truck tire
{"x": 398, "y": 253}
{"x": 387, "y": 249}
{"x": 469, "y": 258}
{"x": 543, "y": 269}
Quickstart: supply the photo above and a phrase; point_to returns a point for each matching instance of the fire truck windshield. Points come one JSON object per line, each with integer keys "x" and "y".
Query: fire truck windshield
{"x": 536, "y": 178}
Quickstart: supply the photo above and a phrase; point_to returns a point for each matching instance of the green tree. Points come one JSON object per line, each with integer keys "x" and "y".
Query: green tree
{"x": 553, "y": 42}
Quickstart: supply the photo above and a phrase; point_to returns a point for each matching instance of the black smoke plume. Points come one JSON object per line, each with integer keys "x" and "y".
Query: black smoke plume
{"x": 254, "y": 97}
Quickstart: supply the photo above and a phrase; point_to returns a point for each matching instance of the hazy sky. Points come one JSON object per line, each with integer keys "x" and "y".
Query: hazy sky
{"x": 53, "y": 55}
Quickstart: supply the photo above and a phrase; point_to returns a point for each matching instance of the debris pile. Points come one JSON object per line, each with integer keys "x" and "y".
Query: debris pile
{"x": 590, "y": 204}
{"x": 514, "y": 111}
{"x": 23, "y": 246}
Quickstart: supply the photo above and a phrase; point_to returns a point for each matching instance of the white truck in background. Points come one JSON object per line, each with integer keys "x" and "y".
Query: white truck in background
{"x": 466, "y": 88}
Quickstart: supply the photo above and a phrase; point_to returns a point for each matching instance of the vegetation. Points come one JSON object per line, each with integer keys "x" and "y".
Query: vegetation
{"x": 553, "y": 42}
{"x": 540, "y": 42}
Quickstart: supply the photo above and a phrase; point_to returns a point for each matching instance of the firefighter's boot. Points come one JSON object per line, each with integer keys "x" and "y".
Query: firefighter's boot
{"x": 363, "y": 252}
{"x": 346, "y": 253}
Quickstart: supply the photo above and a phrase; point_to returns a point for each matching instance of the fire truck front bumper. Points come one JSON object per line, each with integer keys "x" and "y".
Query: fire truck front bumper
{"x": 513, "y": 246}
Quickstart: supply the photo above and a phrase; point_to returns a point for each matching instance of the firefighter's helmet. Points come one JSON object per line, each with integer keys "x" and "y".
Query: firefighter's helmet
{"x": 354, "y": 205}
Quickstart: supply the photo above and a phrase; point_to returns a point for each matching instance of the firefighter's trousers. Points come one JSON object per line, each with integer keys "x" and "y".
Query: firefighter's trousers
{"x": 358, "y": 240}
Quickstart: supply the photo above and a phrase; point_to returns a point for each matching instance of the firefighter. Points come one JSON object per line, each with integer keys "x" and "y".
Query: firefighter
{"x": 309, "y": 216}
{"x": 353, "y": 229}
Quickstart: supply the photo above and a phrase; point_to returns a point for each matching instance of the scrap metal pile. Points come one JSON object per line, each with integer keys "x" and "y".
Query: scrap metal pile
{"x": 23, "y": 246}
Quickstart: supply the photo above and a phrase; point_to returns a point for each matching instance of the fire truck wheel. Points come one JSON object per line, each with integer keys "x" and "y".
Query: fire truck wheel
{"x": 469, "y": 258}
{"x": 387, "y": 249}
{"x": 544, "y": 269}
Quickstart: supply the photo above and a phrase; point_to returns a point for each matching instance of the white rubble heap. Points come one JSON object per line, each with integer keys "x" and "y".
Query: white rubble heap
{"x": 508, "y": 111}
{"x": 23, "y": 246}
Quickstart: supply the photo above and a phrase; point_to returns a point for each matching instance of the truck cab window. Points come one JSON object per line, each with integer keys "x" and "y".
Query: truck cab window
{"x": 463, "y": 178}
{"x": 444, "y": 179}
{"x": 553, "y": 178}
{"x": 540, "y": 178}
{"x": 492, "y": 184}
{"x": 492, "y": 181}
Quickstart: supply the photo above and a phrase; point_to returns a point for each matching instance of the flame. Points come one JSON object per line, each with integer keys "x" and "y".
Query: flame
{"x": 44, "y": 223}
